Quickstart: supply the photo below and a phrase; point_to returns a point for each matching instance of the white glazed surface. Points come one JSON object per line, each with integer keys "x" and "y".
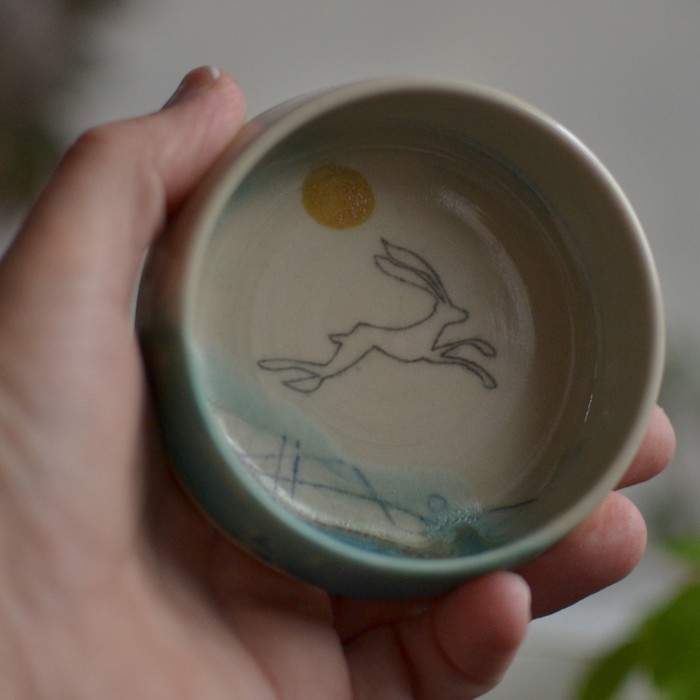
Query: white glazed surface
{"x": 394, "y": 447}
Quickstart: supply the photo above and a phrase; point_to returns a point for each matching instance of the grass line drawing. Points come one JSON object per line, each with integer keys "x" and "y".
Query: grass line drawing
{"x": 290, "y": 473}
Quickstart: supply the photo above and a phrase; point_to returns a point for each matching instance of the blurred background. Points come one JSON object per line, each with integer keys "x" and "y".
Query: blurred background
{"x": 623, "y": 75}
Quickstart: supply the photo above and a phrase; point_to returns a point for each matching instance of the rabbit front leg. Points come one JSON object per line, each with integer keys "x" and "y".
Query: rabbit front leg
{"x": 350, "y": 349}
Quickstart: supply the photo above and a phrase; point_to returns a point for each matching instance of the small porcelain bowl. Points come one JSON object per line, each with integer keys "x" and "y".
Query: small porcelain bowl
{"x": 407, "y": 331}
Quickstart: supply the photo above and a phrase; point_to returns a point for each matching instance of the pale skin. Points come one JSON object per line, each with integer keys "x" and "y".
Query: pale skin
{"x": 112, "y": 585}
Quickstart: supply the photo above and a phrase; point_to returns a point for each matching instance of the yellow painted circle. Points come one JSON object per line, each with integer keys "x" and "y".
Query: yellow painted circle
{"x": 338, "y": 197}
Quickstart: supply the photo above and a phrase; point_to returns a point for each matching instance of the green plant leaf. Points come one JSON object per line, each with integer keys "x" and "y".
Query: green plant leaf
{"x": 687, "y": 549}
{"x": 604, "y": 680}
{"x": 669, "y": 646}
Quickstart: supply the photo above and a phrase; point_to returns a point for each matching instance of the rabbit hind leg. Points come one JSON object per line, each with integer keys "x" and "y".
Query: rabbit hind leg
{"x": 486, "y": 378}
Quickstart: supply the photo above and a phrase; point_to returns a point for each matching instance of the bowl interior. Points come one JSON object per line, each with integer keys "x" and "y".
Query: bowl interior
{"x": 425, "y": 327}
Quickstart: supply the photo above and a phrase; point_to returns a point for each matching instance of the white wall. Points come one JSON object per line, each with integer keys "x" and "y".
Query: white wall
{"x": 622, "y": 75}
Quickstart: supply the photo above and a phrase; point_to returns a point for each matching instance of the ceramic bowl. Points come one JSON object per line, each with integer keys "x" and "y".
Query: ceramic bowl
{"x": 407, "y": 331}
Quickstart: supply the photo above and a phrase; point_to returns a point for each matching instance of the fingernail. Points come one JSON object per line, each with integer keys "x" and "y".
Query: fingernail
{"x": 193, "y": 84}
{"x": 522, "y": 588}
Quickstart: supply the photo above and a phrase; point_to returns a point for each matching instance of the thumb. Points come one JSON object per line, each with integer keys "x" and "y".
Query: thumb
{"x": 113, "y": 190}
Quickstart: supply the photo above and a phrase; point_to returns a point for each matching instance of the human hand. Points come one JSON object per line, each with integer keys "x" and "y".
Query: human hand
{"x": 112, "y": 584}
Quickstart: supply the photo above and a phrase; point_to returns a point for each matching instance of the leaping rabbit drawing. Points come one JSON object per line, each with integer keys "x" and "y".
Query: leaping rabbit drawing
{"x": 417, "y": 342}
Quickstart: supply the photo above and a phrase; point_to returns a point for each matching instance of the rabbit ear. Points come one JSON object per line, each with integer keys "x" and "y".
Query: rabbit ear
{"x": 411, "y": 262}
{"x": 404, "y": 274}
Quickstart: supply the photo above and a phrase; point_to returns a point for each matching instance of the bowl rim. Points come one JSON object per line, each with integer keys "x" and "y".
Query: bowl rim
{"x": 376, "y": 573}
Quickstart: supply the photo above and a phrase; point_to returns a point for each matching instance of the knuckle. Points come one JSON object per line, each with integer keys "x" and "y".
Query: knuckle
{"x": 104, "y": 143}
{"x": 125, "y": 150}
